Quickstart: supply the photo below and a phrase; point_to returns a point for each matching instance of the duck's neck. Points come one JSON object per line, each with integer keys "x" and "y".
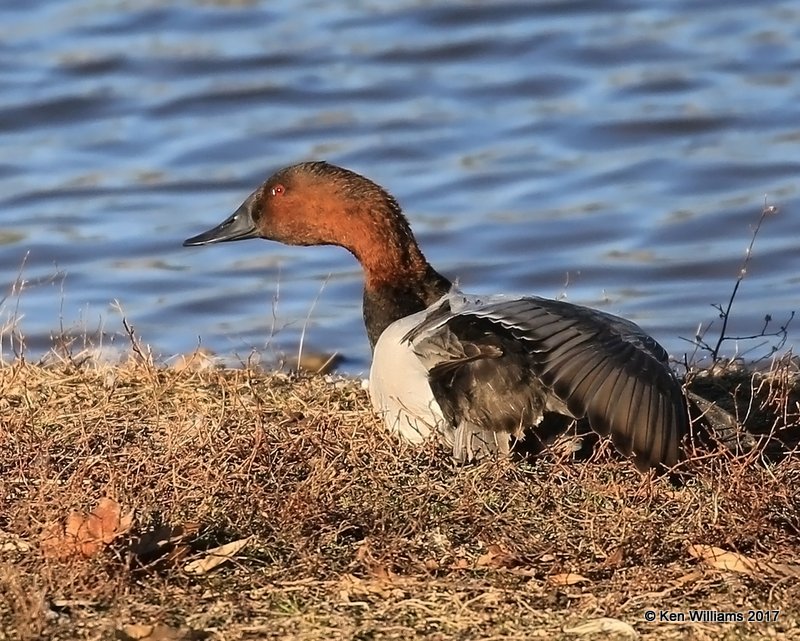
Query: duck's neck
{"x": 398, "y": 280}
{"x": 391, "y": 301}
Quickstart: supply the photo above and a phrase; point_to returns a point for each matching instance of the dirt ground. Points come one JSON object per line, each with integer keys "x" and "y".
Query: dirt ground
{"x": 120, "y": 483}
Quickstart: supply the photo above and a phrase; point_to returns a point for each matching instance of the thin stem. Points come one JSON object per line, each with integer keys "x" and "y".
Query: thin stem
{"x": 726, "y": 314}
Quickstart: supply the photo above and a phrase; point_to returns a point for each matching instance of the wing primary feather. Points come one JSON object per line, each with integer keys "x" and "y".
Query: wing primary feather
{"x": 599, "y": 404}
{"x": 679, "y": 426}
{"x": 571, "y": 369}
{"x": 640, "y": 428}
{"x": 637, "y": 390}
{"x": 614, "y": 398}
{"x": 586, "y": 387}
{"x": 623, "y": 403}
{"x": 565, "y": 379}
{"x": 581, "y": 374}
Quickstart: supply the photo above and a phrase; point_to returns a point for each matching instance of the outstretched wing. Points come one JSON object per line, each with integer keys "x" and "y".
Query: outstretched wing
{"x": 587, "y": 362}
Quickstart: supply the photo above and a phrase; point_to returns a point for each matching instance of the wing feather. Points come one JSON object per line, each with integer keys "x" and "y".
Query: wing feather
{"x": 565, "y": 379}
{"x": 637, "y": 432}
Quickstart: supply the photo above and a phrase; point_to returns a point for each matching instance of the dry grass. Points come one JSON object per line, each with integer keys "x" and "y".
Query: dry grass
{"x": 357, "y": 537}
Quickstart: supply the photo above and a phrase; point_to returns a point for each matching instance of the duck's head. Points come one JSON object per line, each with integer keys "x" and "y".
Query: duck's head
{"x": 313, "y": 203}
{"x": 316, "y": 203}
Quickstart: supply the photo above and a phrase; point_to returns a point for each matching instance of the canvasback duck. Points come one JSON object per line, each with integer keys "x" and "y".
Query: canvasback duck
{"x": 475, "y": 372}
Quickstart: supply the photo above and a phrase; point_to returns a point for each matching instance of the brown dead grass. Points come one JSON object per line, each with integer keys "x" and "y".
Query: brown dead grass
{"x": 355, "y": 536}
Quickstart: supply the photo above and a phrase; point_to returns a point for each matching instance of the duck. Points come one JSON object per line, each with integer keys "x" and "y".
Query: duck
{"x": 478, "y": 373}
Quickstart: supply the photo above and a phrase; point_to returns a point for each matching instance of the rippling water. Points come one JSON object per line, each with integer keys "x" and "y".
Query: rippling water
{"x": 619, "y": 151}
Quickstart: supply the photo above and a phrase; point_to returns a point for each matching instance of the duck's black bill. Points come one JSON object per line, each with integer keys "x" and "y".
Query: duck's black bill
{"x": 239, "y": 226}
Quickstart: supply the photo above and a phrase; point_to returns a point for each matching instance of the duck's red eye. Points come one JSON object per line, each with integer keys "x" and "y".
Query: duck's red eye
{"x": 277, "y": 190}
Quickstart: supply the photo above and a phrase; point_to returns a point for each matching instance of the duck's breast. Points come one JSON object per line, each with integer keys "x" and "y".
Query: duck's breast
{"x": 399, "y": 388}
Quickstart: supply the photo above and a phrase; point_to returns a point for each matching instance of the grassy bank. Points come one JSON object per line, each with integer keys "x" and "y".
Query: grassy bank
{"x": 117, "y": 481}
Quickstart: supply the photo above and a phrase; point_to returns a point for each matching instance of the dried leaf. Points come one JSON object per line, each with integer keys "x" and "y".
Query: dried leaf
{"x": 86, "y": 534}
{"x": 615, "y": 558}
{"x": 215, "y": 557}
{"x": 134, "y": 632}
{"x": 140, "y": 632}
{"x": 106, "y": 522}
{"x": 496, "y": 557}
{"x": 606, "y": 625}
{"x": 568, "y": 578}
{"x": 722, "y": 559}
{"x": 735, "y": 562}
{"x": 351, "y": 587}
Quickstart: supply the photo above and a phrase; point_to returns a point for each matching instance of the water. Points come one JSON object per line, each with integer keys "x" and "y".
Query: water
{"x": 619, "y": 152}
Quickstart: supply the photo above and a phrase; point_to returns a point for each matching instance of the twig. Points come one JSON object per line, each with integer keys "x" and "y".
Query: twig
{"x": 134, "y": 340}
{"x": 308, "y": 319}
{"x": 725, "y": 315}
{"x": 13, "y": 322}
{"x": 724, "y": 312}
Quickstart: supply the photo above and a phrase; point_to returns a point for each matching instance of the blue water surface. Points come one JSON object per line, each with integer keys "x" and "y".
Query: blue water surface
{"x": 618, "y": 153}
